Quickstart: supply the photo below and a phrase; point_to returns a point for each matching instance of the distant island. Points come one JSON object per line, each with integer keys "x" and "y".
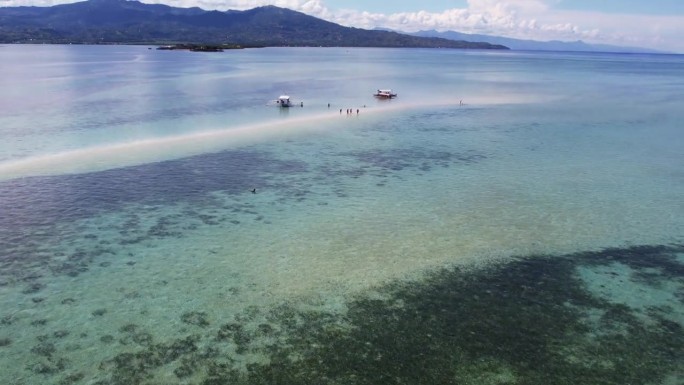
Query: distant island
{"x": 534, "y": 45}
{"x": 133, "y": 22}
{"x": 198, "y": 47}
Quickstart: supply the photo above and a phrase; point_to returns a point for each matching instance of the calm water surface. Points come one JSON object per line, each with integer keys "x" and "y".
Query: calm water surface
{"x": 509, "y": 218}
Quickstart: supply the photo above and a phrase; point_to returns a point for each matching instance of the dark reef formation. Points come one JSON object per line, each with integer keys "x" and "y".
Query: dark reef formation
{"x": 530, "y": 321}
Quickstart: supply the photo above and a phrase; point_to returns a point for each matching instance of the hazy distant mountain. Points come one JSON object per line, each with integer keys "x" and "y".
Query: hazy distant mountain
{"x": 534, "y": 45}
{"x": 121, "y": 21}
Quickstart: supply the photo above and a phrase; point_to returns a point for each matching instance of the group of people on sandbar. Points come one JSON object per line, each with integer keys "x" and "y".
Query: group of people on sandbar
{"x": 350, "y": 111}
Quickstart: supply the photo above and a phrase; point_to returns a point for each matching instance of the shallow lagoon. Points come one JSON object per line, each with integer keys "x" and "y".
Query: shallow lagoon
{"x": 531, "y": 235}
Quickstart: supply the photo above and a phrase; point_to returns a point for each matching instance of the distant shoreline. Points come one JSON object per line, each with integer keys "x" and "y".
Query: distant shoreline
{"x": 199, "y": 47}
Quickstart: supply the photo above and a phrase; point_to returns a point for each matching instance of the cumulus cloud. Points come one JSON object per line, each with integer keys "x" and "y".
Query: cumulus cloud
{"x": 512, "y": 18}
{"x": 529, "y": 19}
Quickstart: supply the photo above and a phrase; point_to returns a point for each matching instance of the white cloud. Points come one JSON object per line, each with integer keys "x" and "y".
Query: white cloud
{"x": 513, "y": 18}
{"x": 529, "y": 19}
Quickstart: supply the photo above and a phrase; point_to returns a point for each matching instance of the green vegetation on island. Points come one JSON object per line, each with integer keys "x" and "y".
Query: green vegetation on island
{"x": 199, "y": 47}
{"x": 132, "y": 22}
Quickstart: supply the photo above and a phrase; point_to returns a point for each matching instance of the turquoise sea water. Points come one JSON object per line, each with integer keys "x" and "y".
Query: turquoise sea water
{"x": 509, "y": 218}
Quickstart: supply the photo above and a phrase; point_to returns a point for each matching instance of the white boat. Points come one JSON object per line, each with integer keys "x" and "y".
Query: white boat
{"x": 385, "y": 94}
{"x": 284, "y": 101}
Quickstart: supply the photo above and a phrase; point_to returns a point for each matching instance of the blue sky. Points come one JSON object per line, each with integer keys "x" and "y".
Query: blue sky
{"x": 657, "y": 24}
{"x": 395, "y": 6}
{"x": 654, "y": 7}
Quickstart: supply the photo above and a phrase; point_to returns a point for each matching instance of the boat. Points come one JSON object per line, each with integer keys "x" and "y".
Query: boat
{"x": 385, "y": 94}
{"x": 284, "y": 101}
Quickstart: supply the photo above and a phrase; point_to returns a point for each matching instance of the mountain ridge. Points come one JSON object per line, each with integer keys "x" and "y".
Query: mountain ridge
{"x": 535, "y": 45}
{"x": 133, "y": 22}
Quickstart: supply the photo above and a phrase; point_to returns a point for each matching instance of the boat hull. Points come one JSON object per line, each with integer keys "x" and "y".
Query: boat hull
{"x": 385, "y": 94}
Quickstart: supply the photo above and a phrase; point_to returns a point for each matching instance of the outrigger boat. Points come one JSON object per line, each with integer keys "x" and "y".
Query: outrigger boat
{"x": 385, "y": 94}
{"x": 284, "y": 101}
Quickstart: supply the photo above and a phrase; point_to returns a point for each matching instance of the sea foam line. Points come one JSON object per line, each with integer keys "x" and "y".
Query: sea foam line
{"x": 138, "y": 152}
{"x": 100, "y": 158}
